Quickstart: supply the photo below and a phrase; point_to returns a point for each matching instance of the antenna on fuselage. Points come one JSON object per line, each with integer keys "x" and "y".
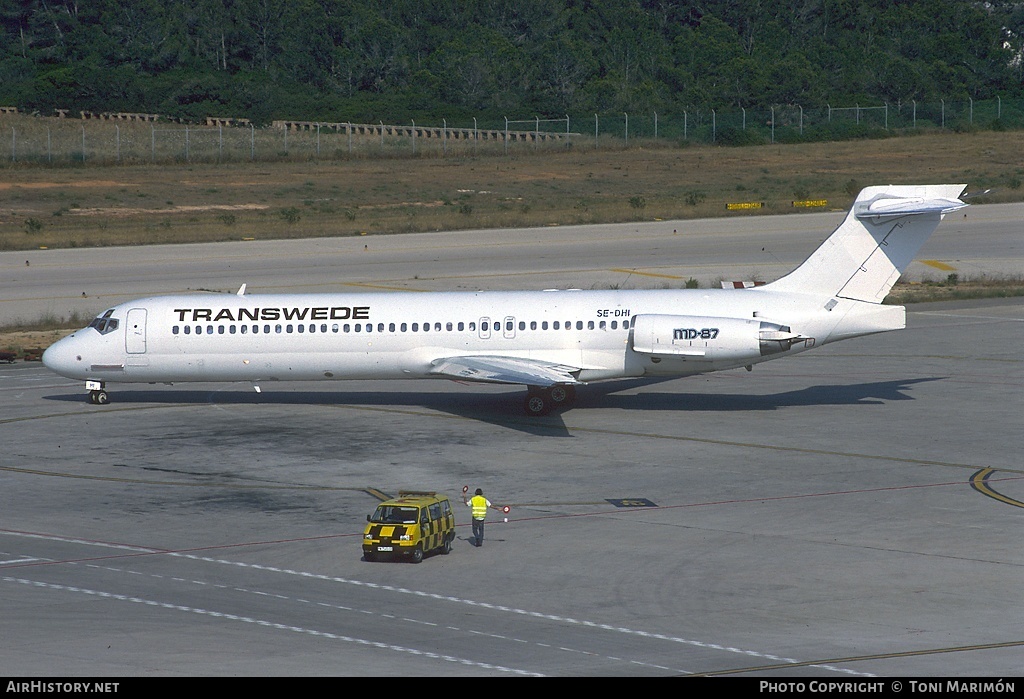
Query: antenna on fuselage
{"x": 241, "y": 291}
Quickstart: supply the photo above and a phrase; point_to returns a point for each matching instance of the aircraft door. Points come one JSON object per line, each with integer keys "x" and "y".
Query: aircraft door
{"x": 135, "y": 331}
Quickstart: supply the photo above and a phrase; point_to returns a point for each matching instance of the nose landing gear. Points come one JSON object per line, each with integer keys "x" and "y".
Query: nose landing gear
{"x": 97, "y": 394}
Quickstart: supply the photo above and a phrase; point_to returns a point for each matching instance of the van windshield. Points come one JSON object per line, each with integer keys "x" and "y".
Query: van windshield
{"x": 395, "y": 514}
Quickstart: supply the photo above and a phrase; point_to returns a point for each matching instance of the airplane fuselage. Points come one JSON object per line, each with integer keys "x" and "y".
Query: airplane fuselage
{"x": 305, "y": 337}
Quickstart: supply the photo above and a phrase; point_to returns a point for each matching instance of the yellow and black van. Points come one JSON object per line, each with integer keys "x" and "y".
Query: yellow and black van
{"x": 411, "y": 525}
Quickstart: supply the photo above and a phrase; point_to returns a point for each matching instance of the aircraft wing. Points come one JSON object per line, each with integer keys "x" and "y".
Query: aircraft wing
{"x": 512, "y": 370}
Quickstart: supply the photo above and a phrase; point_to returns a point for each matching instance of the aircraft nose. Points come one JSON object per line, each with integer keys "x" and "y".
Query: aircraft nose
{"x": 63, "y": 358}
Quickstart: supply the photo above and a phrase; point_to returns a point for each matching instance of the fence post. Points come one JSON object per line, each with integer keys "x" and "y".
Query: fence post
{"x": 14, "y": 145}
{"x": 117, "y": 142}
{"x": 252, "y": 142}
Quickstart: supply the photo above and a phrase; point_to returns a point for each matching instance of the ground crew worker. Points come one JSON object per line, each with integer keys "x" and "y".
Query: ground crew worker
{"x": 479, "y": 505}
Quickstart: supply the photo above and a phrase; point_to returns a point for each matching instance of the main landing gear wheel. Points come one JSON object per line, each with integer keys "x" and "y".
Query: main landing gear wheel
{"x": 562, "y": 395}
{"x": 99, "y": 397}
{"x": 541, "y": 401}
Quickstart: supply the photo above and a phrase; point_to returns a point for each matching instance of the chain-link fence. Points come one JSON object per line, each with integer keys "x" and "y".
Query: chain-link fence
{"x": 64, "y": 141}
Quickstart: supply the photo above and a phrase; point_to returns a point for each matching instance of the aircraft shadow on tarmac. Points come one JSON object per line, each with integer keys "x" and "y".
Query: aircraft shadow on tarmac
{"x": 505, "y": 409}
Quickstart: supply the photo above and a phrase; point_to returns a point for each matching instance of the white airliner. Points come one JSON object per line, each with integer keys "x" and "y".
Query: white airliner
{"x": 549, "y": 341}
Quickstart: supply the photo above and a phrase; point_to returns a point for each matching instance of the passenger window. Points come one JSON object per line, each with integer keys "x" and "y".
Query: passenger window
{"x": 590, "y": 325}
{"x": 579, "y": 324}
{"x": 462, "y": 326}
{"x": 415, "y": 327}
{"x": 391, "y": 327}
{"x": 426, "y": 327}
{"x": 174, "y": 330}
{"x": 555, "y": 325}
{"x": 289, "y": 328}
{"x": 544, "y": 325}
{"x": 437, "y": 327}
{"x": 472, "y": 326}
{"x": 380, "y": 327}
{"x": 449, "y": 327}
{"x": 404, "y": 326}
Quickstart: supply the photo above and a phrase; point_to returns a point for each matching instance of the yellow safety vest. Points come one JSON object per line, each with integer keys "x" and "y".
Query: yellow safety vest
{"x": 479, "y": 503}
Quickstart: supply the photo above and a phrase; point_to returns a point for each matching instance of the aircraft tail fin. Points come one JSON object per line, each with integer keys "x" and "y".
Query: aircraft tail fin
{"x": 876, "y": 242}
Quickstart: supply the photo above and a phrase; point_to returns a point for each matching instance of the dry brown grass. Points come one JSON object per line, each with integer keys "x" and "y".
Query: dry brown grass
{"x": 144, "y": 204}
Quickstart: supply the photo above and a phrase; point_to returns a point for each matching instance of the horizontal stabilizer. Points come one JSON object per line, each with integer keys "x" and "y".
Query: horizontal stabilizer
{"x": 885, "y": 205}
{"x": 511, "y": 370}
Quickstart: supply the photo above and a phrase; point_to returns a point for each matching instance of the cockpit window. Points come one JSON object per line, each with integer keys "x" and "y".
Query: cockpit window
{"x": 104, "y": 323}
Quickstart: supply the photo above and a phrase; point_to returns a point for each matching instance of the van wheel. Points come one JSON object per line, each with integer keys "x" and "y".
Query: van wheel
{"x": 446, "y": 547}
{"x": 417, "y": 554}
{"x": 369, "y": 557}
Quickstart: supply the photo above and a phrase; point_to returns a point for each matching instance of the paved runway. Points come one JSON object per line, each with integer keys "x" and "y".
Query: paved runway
{"x": 850, "y": 512}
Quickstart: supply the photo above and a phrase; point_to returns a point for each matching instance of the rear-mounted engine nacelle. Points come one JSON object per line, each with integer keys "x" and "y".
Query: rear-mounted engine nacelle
{"x": 711, "y": 339}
